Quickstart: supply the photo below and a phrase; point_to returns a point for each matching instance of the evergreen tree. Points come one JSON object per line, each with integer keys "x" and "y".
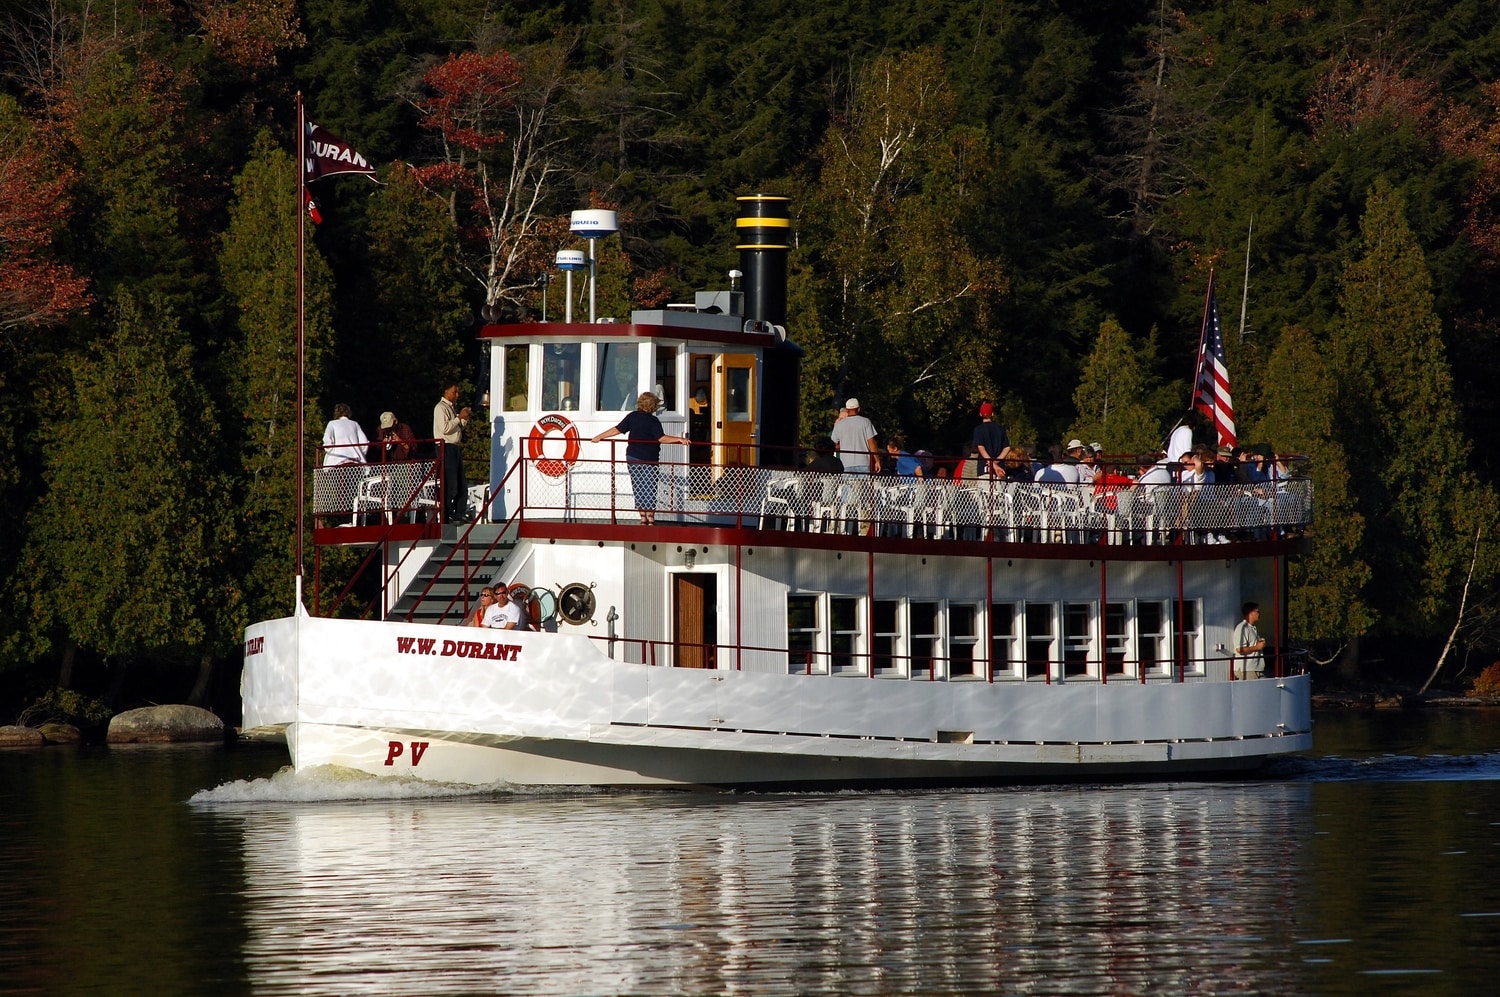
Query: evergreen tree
{"x": 1328, "y": 602}
{"x": 258, "y": 261}
{"x": 1421, "y": 502}
{"x": 130, "y": 533}
{"x": 1117, "y": 392}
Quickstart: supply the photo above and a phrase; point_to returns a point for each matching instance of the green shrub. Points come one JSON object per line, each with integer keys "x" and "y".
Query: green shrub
{"x": 65, "y": 706}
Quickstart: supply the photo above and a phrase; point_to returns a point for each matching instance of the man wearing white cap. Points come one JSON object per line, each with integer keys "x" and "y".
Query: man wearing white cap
{"x": 854, "y": 435}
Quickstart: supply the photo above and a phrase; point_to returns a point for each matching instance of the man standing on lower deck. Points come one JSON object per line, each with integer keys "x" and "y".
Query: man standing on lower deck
{"x": 1249, "y": 645}
{"x": 448, "y": 423}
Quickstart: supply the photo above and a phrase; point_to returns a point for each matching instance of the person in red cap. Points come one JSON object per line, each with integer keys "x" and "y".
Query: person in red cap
{"x": 991, "y": 442}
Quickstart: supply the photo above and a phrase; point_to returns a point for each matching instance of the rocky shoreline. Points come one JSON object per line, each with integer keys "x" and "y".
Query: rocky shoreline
{"x": 171, "y": 724}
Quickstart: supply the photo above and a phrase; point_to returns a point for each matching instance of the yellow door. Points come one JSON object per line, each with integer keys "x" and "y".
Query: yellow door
{"x": 734, "y": 409}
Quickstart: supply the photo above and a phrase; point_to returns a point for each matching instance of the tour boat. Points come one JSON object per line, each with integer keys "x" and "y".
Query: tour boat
{"x": 775, "y": 627}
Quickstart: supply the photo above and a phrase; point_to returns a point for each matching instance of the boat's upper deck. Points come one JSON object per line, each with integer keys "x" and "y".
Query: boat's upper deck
{"x": 566, "y": 496}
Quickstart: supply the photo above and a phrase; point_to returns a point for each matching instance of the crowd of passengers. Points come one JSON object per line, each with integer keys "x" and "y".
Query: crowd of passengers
{"x": 1184, "y": 511}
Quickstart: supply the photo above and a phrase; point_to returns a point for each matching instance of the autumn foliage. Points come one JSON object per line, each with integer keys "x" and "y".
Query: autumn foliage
{"x": 35, "y": 288}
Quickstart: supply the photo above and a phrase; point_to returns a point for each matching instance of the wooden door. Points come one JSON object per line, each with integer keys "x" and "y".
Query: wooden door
{"x": 694, "y": 628}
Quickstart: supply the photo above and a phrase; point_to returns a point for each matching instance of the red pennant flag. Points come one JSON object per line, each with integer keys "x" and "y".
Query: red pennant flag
{"x": 326, "y": 155}
{"x": 312, "y": 209}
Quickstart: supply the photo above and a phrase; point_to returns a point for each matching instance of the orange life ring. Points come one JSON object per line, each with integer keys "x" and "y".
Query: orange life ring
{"x": 552, "y": 467}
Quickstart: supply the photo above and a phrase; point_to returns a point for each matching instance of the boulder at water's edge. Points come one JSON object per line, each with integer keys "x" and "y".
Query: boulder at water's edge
{"x": 20, "y": 737}
{"x": 164, "y": 725}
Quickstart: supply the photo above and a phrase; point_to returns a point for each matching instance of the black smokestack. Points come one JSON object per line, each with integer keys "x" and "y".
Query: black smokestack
{"x": 764, "y": 230}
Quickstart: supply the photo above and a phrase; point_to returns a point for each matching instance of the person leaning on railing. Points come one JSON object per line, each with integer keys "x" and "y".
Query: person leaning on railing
{"x": 644, "y": 436}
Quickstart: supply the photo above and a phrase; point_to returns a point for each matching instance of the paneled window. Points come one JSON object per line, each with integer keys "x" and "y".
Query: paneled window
{"x": 926, "y": 642}
{"x": 1078, "y": 638}
{"x": 886, "y": 645}
{"x": 666, "y": 376}
{"x": 561, "y": 363}
{"x": 517, "y": 368}
{"x": 844, "y": 631}
{"x": 1039, "y": 637}
{"x": 802, "y": 633}
{"x": 1151, "y": 639}
{"x": 963, "y": 641}
{"x": 1004, "y": 659}
{"x": 1187, "y": 640}
{"x": 617, "y": 376}
{"x": 1116, "y": 639}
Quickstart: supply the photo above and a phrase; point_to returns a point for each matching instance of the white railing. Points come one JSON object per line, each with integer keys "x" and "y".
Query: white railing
{"x": 771, "y": 498}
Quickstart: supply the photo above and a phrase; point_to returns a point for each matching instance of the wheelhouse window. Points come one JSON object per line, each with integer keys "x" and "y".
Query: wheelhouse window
{"x": 619, "y": 364}
{"x": 517, "y": 387}
{"x": 802, "y": 633}
{"x": 844, "y": 631}
{"x": 561, "y": 363}
{"x": 666, "y": 377}
{"x": 963, "y": 641}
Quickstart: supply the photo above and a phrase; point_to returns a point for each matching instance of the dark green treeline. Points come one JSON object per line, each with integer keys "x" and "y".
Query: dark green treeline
{"x": 1012, "y": 201}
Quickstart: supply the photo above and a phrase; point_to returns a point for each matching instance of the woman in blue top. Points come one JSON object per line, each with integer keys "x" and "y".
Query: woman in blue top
{"x": 644, "y": 436}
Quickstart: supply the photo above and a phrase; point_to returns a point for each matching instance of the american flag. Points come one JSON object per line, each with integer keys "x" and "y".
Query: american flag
{"x": 1211, "y": 388}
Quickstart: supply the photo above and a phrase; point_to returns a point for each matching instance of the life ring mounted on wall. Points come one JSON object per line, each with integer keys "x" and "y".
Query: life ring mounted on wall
{"x": 547, "y": 426}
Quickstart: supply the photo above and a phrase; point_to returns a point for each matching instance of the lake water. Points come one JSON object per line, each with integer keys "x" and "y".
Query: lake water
{"x": 1369, "y": 868}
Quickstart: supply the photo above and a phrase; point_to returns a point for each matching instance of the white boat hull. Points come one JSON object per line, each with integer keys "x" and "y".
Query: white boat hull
{"x": 452, "y": 705}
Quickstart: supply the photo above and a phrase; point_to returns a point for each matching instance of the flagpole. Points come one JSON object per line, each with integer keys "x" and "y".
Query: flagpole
{"x": 301, "y": 338}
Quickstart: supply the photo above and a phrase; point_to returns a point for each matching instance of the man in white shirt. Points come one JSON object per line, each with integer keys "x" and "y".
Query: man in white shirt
{"x": 448, "y": 424}
{"x": 1249, "y": 645}
{"x": 854, "y": 435}
{"x": 504, "y": 613}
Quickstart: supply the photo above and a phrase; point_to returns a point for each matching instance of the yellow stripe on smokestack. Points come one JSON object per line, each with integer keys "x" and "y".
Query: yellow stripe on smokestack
{"x": 764, "y": 228}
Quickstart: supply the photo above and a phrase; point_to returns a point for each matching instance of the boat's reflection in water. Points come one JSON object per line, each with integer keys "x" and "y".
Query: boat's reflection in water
{"x": 1130, "y": 889}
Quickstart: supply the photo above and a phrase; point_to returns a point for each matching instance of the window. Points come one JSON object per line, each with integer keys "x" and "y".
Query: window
{"x": 925, "y": 640}
{"x": 666, "y": 376}
{"x": 1003, "y": 657}
{"x": 963, "y": 641}
{"x": 517, "y": 367}
{"x": 1151, "y": 637}
{"x": 802, "y": 634}
{"x": 737, "y": 405}
{"x": 1038, "y": 639}
{"x": 1116, "y": 639}
{"x": 886, "y": 645}
{"x": 560, "y": 366}
{"x": 843, "y": 620}
{"x": 618, "y": 381}
{"x": 1186, "y": 640}
{"x": 1078, "y": 638}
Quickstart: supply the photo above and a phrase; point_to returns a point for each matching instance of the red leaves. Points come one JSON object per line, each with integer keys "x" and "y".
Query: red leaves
{"x": 34, "y": 289}
{"x": 469, "y": 93}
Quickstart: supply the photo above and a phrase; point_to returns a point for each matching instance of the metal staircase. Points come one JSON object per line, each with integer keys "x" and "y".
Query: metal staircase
{"x": 465, "y": 558}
